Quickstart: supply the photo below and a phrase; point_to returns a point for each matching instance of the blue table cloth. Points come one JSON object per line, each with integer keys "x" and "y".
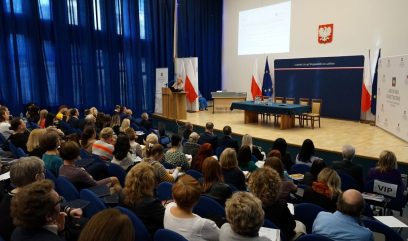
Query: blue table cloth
{"x": 273, "y": 108}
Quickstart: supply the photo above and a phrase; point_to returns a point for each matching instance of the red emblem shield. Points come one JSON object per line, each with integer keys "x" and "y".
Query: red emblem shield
{"x": 325, "y": 34}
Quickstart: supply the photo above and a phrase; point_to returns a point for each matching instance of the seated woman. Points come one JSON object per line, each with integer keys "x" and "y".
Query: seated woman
{"x": 174, "y": 156}
{"x": 135, "y": 147}
{"x": 115, "y": 123}
{"x": 43, "y": 116}
{"x": 104, "y": 146}
{"x": 213, "y": 181}
{"x": 88, "y": 138}
{"x": 155, "y": 157}
{"x": 386, "y": 169}
{"x": 203, "y": 152}
{"x": 121, "y": 154}
{"x": 245, "y": 217}
{"x": 151, "y": 139}
{"x": 50, "y": 143}
{"x": 311, "y": 176}
{"x": 325, "y": 191}
{"x": 247, "y": 141}
{"x": 265, "y": 184}
{"x": 78, "y": 176}
{"x": 179, "y": 217}
{"x": 33, "y": 143}
{"x": 287, "y": 185}
{"x": 281, "y": 145}
{"x": 124, "y": 126}
{"x": 191, "y": 147}
{"x": 20, "y": 136}
{"x": 230, "y": 170}
{"x": 307, "y": 153}
{"x": 245, "y": 159}
{"x": 138, "y": 196}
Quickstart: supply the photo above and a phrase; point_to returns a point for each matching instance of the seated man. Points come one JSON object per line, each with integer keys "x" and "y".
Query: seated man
{"x": 344, "y": 224}
{"x": 208, "y": 136}
{"x": 348, "y": 167}
{"x": 226, "y": 140}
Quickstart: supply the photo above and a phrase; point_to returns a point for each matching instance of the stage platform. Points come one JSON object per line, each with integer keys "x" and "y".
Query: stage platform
{"x": 368, "y": 140}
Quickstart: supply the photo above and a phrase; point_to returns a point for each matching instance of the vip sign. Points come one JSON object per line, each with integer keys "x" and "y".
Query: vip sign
{"x": 325, "y": 34}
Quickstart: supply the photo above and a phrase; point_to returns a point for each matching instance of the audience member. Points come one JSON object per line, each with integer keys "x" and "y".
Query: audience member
{"x": 104, "y": 146}
{"x": 281, "y": 145}
{"x": 275, "y": 153}
{"x": 174, "y": 156}
{"x": 33, "y": 143}
{"x": 145, "y": 123}
{"x": 307, "y": 153}
{"x": 151, "y": 139}
{"x": 213, "y": 181}
{"x": 50, "y": 142}
{"x": 386, "y": 170}
{"x": 226, "y": 140}
{"x": 245, "y": 159}
{"x": 88, "y": 138}
{"x": 311, "y": 176}
{"x": 188, "y": 129}
{"x": 203, "y": 152}
{"x": 325, "y": 191}
{"x": 208, "y": 136}
{"x": 255, "y": 150}
{"x": 348, "y": 167}
{"x": 108, "y": 225}
{"x": 42, "y": 121}
{"x": 191, "y": 147}
{"x": 245, "y": 217}
{"x": 20, "y": 134}
{"x": 179, "y": 217}
{"x": 124, "y": 126}
{"x": 135, "y": 147}
{"x": 287, "y": 186}
{"x": 154, "y": 157}
{"x": 115, "y": 123}
{"x": 138, "y": 196}
{"x": 265, "y": 184}
{"x": 345, "y": 223}
{"x": 4, "y": 122}
{"x": 74, "y": 119}
{"x": 121, "y": 154}
{"x": 230, "y": 170}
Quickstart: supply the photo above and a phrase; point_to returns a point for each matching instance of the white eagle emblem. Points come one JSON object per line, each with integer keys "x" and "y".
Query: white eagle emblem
{"x": 325, "y": 33}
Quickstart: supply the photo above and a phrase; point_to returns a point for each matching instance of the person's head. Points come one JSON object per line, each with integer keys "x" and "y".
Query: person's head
{"x": 209, "y": 126}
{"x": 188, "y": 126}
{"x": 4, "y": 114}
{"x": 74, "y": 112}
{"x": 106, "y": 134}
{"x": 276, "y": 164}
{"x": 228, "y": 159}
{"x": 140, "y": 183}
{"x": 246, "y": 140}
{"x": 155, "y": 151}
{"x": 330, "y": 177}
{"x": 115, "y": 120}
{"x": 108, "y": 225}
{"x": 145, "y": 116}
{"x": 317, "y": 166}
{"x": 307, "y": 150}
{"x": 17, "y": 125}
{"x": 26, "y": 170}
{"x": 90, "y": 119}
{"x": 275, "y": 153}
{"x": 43, "y": 113}
{"x": 227, "y": 130}
{"x": 122, "y": 147}
{"x": 265, "y": 183}
{"x": 244, "y": 155}
{"x": 150, "y": 141}
{"x": 351, "y": 203}
{"x": 193, "y": 138}
{"x": 125, "y": 125}
{"x": 93, "y": 111}
{"x": 348, "y": 152}
{"x": 186, "y": 192}
{"x": 244, "y": 213}
{"x": 89, "y": 133}
{"x": 212, "y": 172}
{"x": 387, "y": 161}
{"x": 70, "y": 151}
{"x": 50, "y": 141}
{"x": 205, "y": 150}
{"x": 281, "y": 145}
{"x": 175, "y": 140}
{"x": 130, "y": 132}
{"x": 34, "y": 139}
{"x": 36, "y": 205}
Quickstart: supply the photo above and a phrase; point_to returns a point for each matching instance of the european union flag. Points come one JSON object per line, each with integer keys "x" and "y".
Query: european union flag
{"x": 267, "y": 89}
{"x": 374, "y": 87}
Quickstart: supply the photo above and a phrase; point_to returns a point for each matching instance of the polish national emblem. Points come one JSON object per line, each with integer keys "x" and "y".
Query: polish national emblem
{"x": 325, "y": 34}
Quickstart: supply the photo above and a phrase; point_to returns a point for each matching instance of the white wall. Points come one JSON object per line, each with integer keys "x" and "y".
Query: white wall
{"x": 359, "y": 25}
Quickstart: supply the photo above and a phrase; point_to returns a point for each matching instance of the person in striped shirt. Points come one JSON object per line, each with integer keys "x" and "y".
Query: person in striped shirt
{"x": 104, "y": 146}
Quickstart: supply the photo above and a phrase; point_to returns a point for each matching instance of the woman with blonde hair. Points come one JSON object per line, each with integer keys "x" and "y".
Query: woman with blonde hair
{"x": 33, "y": 143}
{"x": 247, "y": 141}
{"x": 151, "y": 139}
{"x": 230, "y": 170}
{"x": 138, "y": 196}
{"x": 386, "y": 169}
{"x": 124, "y": 126}
{"x": 43, "y": 118}
{"x": 325, "y": 190}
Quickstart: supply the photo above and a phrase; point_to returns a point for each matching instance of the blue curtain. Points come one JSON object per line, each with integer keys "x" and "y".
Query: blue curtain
{"x": 80, "y": 53}
{"x": 200, "y": 35}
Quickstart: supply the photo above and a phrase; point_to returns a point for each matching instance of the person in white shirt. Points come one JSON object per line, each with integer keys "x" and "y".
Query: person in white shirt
{"x": 179, "y": 217}
{"x": 4, "y": 122}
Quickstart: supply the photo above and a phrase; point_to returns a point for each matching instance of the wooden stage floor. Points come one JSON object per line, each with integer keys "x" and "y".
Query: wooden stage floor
{"x": 368, "y": 140}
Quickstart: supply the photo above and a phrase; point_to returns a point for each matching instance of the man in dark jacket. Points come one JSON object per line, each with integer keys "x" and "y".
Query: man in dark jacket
{"x": 348, "y": 167}
{"x": 208, "y": 136}
{"x": 226, "y": 140}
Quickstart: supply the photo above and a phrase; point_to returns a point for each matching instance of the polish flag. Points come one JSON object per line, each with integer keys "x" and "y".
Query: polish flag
{"x": 188, "y": 86}
{"x": 368, "y": 80}
{"x": 255, "y": 89}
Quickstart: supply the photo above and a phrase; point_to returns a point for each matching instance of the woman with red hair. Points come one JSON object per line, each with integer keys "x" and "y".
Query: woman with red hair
{"x": 205, "y": 151}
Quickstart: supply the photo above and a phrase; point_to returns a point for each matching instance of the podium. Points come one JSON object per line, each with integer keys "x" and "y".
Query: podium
{"x": 174, "y": 104}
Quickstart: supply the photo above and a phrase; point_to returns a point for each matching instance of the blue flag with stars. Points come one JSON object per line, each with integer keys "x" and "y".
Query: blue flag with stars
{"x": 267, "y": 81}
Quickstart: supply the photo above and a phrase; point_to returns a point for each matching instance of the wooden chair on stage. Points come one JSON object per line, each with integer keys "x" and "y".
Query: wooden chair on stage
{"x": 266, "y": 116}
{"x": 315, "y": 114}
{"x": 290, "y": 101}
{"x": 276, "y": 116}
{"x": 302, "y": 101}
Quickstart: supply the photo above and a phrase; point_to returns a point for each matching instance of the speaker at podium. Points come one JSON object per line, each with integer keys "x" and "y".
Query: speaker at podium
{"x": 174, "y": 104}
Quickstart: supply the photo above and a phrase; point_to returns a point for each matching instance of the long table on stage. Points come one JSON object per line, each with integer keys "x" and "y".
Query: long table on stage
{"x": 287, "y": 111}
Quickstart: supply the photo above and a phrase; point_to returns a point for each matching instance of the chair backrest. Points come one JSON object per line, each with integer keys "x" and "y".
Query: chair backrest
{"x": 194, "y": 173}
{"x": 347, "y": 181}
{"x": 378, "y": 227}
{"x": 66, "y": 189}
{"x": 208, "y": 208}
{"x": 167, "y": 235}
{"x": 299, "y": 168}
{"x": 95, "y": 205}
{"x": 117, "y": 171}
{"x": 219, "y": 150}
{"x": 164, "y": 192}
{"x": 167, "y": 165}
{"x": 84, "y": 154}
{"x": 141, "y": 233}
{"x": 279, "y": 99}
{"x": 316, "y": 106}
{"x": 396, "y": 203}
{"x": 304, "y": 101}
{"x": 50, "y": 176}
{"x": 164, "y": 140}
{"x": 290, "y": 101}
{"x": 2, "y": 139}
{"x": 306, "y": 213}
{"x": 16, "y": 153}
{"x": 314, "y": 237}
{"x": 385, "y": 188}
